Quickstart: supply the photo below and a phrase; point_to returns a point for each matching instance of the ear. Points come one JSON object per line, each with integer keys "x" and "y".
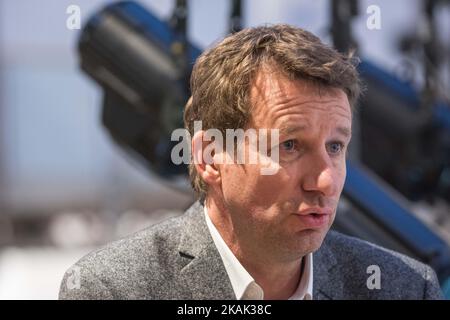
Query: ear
{"x": 205, "y": 166}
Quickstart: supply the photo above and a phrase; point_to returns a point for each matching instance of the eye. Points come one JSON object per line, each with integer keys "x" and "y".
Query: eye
{"x": 288, "y": 145}
{"x": 335, "y": 148}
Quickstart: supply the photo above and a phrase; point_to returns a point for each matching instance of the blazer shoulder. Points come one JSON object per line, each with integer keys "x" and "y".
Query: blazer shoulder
{"x": 401, "y": 276}
{"x": 127, "y": 267}
{"x": 357, "y": 249}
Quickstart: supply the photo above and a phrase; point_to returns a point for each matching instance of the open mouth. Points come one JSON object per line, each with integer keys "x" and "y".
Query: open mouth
{"x": 313, "y": 220}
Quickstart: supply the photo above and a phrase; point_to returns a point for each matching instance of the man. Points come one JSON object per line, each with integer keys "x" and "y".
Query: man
{"x": 254, "y": 235}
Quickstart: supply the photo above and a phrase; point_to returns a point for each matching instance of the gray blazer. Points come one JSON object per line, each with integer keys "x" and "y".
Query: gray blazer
{"x": 177, "y": 259}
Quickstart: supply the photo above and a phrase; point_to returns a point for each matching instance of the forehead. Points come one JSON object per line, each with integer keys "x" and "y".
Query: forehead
{"x": 275, "y": 98}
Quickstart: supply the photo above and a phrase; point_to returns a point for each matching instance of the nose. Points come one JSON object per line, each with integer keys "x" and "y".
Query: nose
{"x": 319, "y": 175}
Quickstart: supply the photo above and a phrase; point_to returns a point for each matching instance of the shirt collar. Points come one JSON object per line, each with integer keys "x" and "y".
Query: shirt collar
{"x": 304, "y": 289}
{"x": 243, "y": 284}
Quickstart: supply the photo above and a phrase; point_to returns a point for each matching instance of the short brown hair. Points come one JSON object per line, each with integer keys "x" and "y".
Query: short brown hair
{"x": 222, "y": 76}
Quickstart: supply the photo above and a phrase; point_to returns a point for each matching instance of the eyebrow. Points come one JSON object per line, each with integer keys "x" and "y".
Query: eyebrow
{"x": 346, "y": 132}
{"x": 286, "y": 130}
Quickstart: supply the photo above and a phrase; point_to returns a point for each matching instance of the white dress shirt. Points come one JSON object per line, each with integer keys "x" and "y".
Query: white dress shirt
{"x": 244, "y": 286}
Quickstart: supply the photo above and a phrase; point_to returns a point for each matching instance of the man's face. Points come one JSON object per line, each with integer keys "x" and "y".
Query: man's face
{"x": 288, "y": 214}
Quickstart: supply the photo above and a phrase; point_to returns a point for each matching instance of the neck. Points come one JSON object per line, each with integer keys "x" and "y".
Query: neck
{"x": 278, "y": 279}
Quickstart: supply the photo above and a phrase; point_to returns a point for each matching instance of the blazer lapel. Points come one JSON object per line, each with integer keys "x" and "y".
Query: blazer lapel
{"x": 203, "y": 272}
{"x": 327, "y": 281}
{"x": 204, "y": 276}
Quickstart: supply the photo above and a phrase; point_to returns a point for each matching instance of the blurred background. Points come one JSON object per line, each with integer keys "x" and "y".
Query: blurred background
{"x": 90, "y": 91}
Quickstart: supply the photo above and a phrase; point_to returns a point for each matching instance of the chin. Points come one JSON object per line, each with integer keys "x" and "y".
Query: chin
{"x": 310, "y": 240}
